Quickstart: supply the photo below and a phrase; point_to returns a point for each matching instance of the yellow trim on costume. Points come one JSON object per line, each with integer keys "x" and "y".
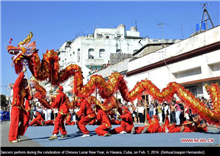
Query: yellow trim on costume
{"x": 91, "y": 116}
{"x": 61, "y": 112}
{"x": 107, "y": 125}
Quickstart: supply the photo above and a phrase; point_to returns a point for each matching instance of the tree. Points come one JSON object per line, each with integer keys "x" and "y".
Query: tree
{"x": 3, "y": 101}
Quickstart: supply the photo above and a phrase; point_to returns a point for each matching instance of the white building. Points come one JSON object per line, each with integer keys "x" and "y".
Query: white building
{"x": 94, "y": 50}
{"x": 192, "y": 63}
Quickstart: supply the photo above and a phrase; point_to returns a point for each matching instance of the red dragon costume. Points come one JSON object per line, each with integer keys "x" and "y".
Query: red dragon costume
{"x": 48, "y": 69}
{"x": 19, "y": 111}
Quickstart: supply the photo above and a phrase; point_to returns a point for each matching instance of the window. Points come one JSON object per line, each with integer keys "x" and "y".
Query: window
{"x": 99, "y": 36}
{"x": 118, "y": 36}
{"x": 192, "y": 89}
{"x": 101, "y": 53}
{"x": 91, "y": 53}
{"x": 118, "y": 51}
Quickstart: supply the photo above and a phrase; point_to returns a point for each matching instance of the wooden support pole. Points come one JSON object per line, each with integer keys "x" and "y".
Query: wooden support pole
{"x": 145, "y": 109}
{"x": 29, "y": 84}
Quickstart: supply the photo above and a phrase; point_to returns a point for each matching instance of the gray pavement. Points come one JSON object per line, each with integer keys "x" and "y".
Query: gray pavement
{"x": 38, "y": 136}
{"x": 26, "y": 142}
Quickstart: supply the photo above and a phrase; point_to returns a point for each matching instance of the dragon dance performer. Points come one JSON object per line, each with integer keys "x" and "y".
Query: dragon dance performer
{"x": 103, "y": 119}
{"x": 38, "y": 120}
{"x": 61, "y": 104}
{"x": 152, "y": 127}
{"x": 126, "y": 122}
{"x": 19, "y": 112}
{"x": 49, "y": 122}
{"x": 113, "y": 121}
{"x": 68, "y": 120}
{"x": 189, "y": 126}
{"x": 85, "y": 115}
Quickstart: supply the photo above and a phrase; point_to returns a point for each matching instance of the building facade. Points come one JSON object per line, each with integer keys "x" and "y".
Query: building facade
{"x": 95, "y": 50}
{"x": 192, "y": 63}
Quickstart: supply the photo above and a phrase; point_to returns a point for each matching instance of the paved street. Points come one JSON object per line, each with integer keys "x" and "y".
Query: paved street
{"x": 38, "y": 136}
{"x": 27, "y": 142}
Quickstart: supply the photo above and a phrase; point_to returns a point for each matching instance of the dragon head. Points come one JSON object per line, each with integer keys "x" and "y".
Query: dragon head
{"x": 23, "y": 51}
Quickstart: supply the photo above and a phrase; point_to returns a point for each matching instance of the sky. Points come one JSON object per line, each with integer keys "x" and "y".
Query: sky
{"x": 54, "y": 22}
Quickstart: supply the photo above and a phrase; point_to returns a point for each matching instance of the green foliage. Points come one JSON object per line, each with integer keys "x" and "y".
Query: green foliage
{"x": 3, "y": 101}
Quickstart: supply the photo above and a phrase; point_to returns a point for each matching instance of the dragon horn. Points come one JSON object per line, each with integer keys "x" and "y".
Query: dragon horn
{"x": 28, "y": 39}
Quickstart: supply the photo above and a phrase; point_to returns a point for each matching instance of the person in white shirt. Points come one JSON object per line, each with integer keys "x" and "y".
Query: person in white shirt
{"x": 55, "y": 112}
{"x": 167, "y": 110}
{"x": 11, "y": 98}
{"x": 49, "y": 114}
{"x": 140, "y": 110}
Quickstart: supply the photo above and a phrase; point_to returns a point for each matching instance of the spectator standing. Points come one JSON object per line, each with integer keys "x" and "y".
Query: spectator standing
{"x": 140, "y": 112}
{"x": 182, "y": 111}
{"x": 173, "y": 113}
{"x": 134, "y": 114}
{"x": 91, "y": 70}
{"x": 186, "y": 113}
{"x": 11, "y": 85}
{"x": 159, "y": 110}
{"x": 151, "y": 109}
{"x": 45, "y": 115}
{"x": 178, "y": 113}
{"x": 167, "y": 110}
{"x": 2, "y": 114}
{"x": 55, "y": 113}
{"x": 108, "y": 63}
{"x": 49, "y": 114}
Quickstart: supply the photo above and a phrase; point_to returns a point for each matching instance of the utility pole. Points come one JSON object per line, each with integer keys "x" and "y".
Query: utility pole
{"x": 205, "y": 12}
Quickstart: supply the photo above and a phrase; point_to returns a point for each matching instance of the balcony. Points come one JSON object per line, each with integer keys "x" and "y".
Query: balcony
{"x": 94, "y": 62}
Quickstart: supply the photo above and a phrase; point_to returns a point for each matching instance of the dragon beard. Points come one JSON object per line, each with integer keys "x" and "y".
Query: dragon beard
{"x": 18, "y": 66}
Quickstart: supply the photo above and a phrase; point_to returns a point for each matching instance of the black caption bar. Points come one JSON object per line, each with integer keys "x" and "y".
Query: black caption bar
{"x": 105, "y": 150}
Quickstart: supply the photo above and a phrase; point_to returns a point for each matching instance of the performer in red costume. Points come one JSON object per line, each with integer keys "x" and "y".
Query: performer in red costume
{"x": 68, "y": 120}
{"x": 86, "y": 115}
{"x": 19, "y": 112}
{"x": 38, "y": 120}
{"x": 152, "y": 127}
{"x": 188, "y": 126}
{"x": 49, "y": 122}
{"x": 63, "y": 111}
{"x": 112, "y": 119}
{"x": 103, "y": 119}
{"x": 126, "y": 122}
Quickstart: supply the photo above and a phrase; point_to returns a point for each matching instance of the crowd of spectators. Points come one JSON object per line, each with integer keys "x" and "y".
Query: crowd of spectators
{"x": 5, "y": 114}
{"x": 92, "y": 70}
{"x": 176, "y": 111}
